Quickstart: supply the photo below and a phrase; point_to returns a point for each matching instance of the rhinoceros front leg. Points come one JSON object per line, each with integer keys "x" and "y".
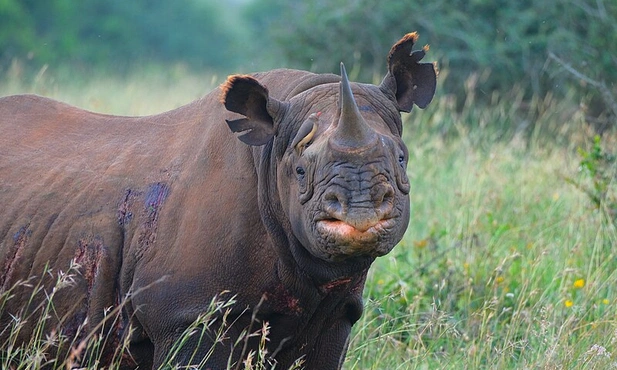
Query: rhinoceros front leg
{"x": 201, "y": 345}
{"x": 330, "y": 348}
{"x": 190, "y": 352}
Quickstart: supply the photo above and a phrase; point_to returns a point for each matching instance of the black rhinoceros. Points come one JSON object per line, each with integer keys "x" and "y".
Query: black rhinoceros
{"x": 284, "y": 207}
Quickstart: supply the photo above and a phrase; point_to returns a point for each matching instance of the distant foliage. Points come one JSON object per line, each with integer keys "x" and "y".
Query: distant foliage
{"x": 114, "y": 33}
{"x": 506, "y": 42}
{"x": 540, "y": 47}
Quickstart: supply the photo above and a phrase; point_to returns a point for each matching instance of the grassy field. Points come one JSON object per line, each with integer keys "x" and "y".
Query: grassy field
{"x": 507, "y": 263}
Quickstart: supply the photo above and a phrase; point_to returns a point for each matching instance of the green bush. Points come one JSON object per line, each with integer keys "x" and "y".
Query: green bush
{"x": 599, "y": 171}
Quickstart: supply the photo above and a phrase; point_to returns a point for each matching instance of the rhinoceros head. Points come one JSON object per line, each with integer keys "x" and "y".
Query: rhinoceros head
{"x": 337, "y": 154}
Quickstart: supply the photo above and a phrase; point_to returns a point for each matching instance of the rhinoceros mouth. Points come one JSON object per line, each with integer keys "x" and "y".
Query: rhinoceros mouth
{"x": 341, "y": 238}
{"x": 347, "y": 231}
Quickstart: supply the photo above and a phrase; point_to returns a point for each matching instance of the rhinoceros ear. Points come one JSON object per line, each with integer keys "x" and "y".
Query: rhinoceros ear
{"x": 245, "y": 95}
{"x": 409, "y": 81}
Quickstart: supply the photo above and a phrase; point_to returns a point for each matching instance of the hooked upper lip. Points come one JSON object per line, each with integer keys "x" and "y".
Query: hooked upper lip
{"x": 339, "y": 239}
{"x": 347, "y": 230}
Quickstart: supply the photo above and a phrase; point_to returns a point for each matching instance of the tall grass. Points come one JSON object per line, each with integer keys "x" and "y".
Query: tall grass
{"x": 42, "y": 345}
{"x": 506, "y": 264}
{"x": 92, "y": 346}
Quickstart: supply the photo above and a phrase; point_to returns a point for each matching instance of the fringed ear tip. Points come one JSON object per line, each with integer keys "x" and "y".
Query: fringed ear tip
{"x": 236, "y": 80}
{"x": 426, "y": 48}
{"x": 405, "y": 44}
{"x": 411, "y": 35}
{"x": 226, "y": 87}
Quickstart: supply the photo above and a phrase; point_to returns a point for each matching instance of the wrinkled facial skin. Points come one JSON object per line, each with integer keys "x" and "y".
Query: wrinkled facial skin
{"x": 345, "y": 200}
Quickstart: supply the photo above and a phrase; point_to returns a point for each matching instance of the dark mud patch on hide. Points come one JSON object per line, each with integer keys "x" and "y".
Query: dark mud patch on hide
{"x": 157, "y": 193}
{"x": 20, "y": 240}
{"x": 88, "y": 256}
{"x": 335, "y": 285}
{"x": 124, "y": 213}
{"x": 283, "y": 301}
{"x": 155, "y": 197}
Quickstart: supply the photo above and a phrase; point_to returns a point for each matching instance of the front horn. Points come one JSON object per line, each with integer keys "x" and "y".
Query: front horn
{"x": 351, "y": 130}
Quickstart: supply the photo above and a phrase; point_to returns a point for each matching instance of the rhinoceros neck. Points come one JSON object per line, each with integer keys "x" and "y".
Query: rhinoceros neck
{"x": 283, "y": 84}
{"x": 311, "y": 81}
{"x": 323, "y": 273}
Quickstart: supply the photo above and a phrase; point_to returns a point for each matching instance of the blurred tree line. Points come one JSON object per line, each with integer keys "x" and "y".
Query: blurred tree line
{"x": 542, "y": 47}
{"x": 114, "y": 32}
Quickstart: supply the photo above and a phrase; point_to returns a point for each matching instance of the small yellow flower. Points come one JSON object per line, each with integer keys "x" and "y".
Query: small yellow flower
{"x": 605, "y": 301}
{"x": 568, "y": 303}
{"x": 578, "y": 284}
{"x": 500, "y": 279}
{"x": 555, "y": 197}
{"x": 420, "y": 243}
{"x": 380, "y": 282}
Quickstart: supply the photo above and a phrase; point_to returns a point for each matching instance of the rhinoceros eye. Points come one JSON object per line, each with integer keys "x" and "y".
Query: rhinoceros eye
{"x": 300, "y": 171}
{"x": 401, "y": 160}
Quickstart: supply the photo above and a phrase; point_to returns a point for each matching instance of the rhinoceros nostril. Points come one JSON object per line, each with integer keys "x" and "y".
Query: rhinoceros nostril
{"x": 383, "y": 196}
{"x": 334, "y": 204}
{"x": 389, "y": 197}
